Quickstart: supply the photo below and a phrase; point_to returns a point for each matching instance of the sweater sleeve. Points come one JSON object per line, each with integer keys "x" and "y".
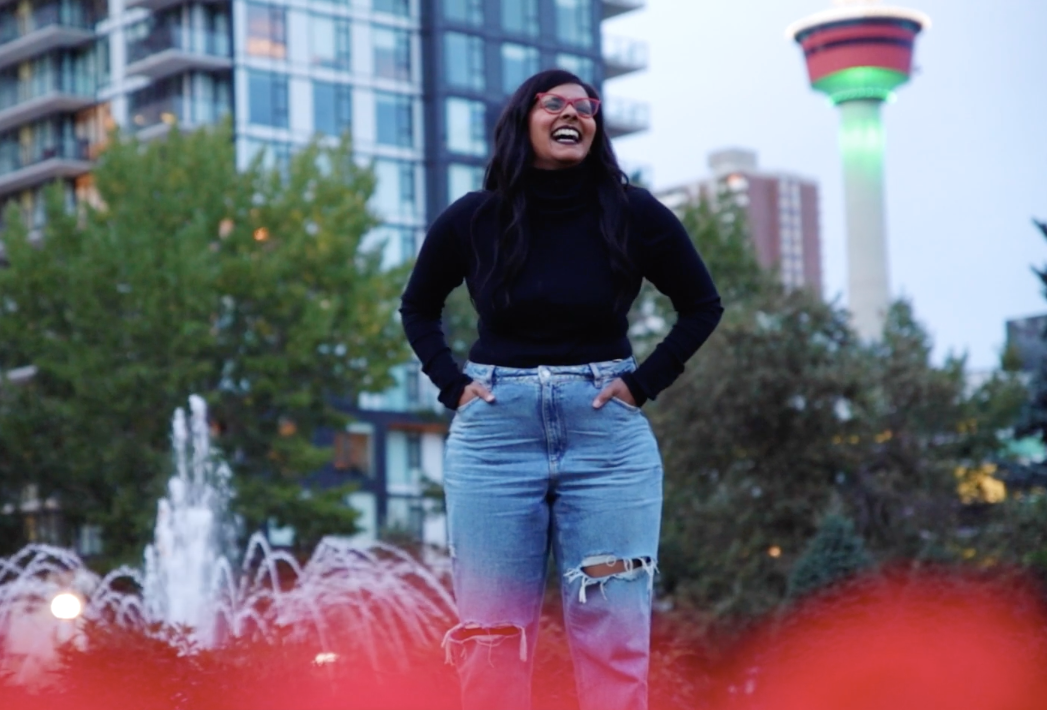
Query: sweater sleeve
{"x": 673, "y": 265}
{"x": 440, "y": 268}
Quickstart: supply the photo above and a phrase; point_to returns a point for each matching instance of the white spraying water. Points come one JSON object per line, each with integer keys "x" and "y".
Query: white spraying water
{"x": 184, "y": 564}
{"x": 371, "y": 602}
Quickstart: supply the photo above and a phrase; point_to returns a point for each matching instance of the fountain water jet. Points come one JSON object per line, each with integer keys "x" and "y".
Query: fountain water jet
{"x": 372, "y": 602}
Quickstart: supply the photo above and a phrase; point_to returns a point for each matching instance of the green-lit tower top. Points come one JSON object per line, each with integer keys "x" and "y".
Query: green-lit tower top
{"x": 857, "y": 54}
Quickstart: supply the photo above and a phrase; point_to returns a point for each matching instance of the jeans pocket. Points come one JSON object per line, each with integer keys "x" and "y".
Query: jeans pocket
{"x": 468, "y": 404}
{"x": 628, "y": 407}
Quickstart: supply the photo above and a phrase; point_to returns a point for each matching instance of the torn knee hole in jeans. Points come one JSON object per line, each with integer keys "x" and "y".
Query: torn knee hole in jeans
{"x": 483, "y": 635}
{"x": 600, "y": 569}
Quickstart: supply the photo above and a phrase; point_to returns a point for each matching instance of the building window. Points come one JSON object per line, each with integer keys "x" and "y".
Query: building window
{"x": 462, "y": 179}
{"x": 465, "y": 127}
{"x": 518, "y": 63}
{"x": 276, "y": 155}
{"x": 267, "y": 97}
{"x": 392, "y": 53}
{"x": 582, "y": 67}
{"x": 266, "y": 31}
{"x": 330, "y": 42}
{"x": 394, "y": 118}
{"x": 469, "y": 12}
{"x": 408, "y": 244}
{"x": 395, "y": 194}
{"x": 332, "y": 108}
{"x": 393, "y": 7}
{"x": 520, "y": 17}
{"x": 404, "y": 516}
{"x": 464, "y": 61}
{"x": 352, "y": 452}
{"x": 89, "y": 541}
{"x": 414, "y": 450}
{"x": 574, "y": 22}
{"x": 412, "y": 385}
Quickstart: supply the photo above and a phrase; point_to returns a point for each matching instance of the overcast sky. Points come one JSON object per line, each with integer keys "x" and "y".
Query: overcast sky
{"x": 966, "y": 157}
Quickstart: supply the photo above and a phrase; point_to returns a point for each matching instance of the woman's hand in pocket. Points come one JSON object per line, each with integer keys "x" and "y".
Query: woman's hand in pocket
{"x": 617, "y": 389}
{"x": 473, "y": 390}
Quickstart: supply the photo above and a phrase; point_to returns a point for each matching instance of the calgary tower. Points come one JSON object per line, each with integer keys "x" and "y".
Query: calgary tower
{"x": 857, "y": 54}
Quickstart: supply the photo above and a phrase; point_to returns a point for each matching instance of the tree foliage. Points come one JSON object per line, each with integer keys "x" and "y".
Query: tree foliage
{"x": 835, "y": 553}
{"x": 785, "y": 415}
{"x": 256, "y": 289}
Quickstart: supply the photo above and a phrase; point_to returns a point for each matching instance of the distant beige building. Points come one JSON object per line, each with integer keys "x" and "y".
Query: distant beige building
{"x": 781, "y": 210}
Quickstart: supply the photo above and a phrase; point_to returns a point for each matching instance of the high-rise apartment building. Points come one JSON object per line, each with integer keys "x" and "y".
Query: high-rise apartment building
{"x": 781, "y": 212}
{"x": 419, "y": 83}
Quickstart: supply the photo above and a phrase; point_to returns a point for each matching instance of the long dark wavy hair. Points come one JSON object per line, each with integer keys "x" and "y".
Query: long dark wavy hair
{"x": 513, "y": 154}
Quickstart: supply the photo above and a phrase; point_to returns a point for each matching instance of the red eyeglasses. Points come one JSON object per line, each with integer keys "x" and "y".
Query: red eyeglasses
{"x": 555, "y": 104}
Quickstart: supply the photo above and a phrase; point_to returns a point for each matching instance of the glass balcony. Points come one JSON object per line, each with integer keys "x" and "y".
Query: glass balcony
{"x": 162, "y": 112}
{"x": 157, "y": 116}
{"x": 613, "y": 8}
{"x": 622, "y": 55}
{"x": 49, "y": 26}
{"x": 46, "y": 93}
{"x": 171, "y": 50}
{"x": 625, "y": 116}
{"x": 159, "y": 5}
{"x": 22, "y": 166}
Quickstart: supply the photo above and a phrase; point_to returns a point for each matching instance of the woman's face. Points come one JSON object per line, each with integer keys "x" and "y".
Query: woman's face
{"x": 561, "y": 140}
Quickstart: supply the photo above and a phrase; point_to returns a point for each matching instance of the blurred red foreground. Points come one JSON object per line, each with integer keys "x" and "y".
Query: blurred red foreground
{"x": 877, "y": 644}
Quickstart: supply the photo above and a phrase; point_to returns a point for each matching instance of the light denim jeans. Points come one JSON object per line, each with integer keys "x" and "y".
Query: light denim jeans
{"x": 540, "y": 470}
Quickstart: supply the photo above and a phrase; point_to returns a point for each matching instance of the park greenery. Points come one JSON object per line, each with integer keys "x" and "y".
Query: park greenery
{"x": 795, "y": 454}
{"x": 255, "y": 288}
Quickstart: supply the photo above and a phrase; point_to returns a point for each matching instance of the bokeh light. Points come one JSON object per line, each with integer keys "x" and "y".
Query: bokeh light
{"x": 66, "y": 605}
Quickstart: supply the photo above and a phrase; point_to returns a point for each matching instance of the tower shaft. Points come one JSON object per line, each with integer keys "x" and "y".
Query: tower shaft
{"x": 862, "y": 148}
{"x": 858, "y": 56}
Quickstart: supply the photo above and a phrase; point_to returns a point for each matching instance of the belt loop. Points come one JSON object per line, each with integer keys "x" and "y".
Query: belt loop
{"x": 597, "y": 375}
{"x": 490, "y": 384}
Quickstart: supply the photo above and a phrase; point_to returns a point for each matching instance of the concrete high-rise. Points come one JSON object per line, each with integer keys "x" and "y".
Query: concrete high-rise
{"x": 781, "y": 210}
{"x": 858, "y": 54}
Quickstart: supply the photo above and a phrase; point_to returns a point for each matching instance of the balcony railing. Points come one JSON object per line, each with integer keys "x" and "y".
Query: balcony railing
{"x": 625, "y": 116}
{"x": 171, "y": 49}
{"x": 23, "y": 166}
{"x": 13, "y": 93}
{"x": 163, "y": 111}
{"x": 64, "y": 14}
{"x": 26, "y": 156}
{"x": 622, "y": 55}
{"x": 46, "y": 27}
{"x": 171, "y": 109}
{"x": 613, "y": 8}
{"x": 213, "y": 44}
{"x": 45, "y": 94}
{"x": 160, "y": 5}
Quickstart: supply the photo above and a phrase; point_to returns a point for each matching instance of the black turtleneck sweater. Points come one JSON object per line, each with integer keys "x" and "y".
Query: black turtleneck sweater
{"x": 565, "y": 306}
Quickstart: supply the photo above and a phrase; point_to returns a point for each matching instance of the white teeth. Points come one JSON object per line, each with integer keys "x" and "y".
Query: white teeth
{"x": 567, "y": 135}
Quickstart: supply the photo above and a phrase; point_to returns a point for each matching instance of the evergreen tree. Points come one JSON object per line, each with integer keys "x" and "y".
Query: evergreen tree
{"x": 834, "y": 553}
{"x": 785, "y": 410}
{"x": 1033, "y": 420}
{"x": 253, "y": 288}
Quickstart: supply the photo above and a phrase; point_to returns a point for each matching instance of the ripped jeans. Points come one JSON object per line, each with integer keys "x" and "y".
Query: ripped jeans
{"x": 539, "y": 470}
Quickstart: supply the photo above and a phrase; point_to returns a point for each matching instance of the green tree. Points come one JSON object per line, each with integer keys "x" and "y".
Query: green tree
{"x": 254, "y": 288}
{"x": 1033, "y": 420}
{"x": 720, "y": 234}
{"x": 785, "y": 415}
{"x": 836, "y": 552}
